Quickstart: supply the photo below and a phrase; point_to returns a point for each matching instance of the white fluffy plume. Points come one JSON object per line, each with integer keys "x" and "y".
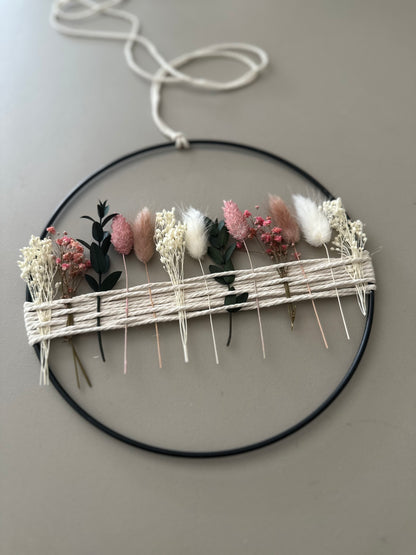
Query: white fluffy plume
{"x": 312, "y": 221}
{"x": 196, "y": 239}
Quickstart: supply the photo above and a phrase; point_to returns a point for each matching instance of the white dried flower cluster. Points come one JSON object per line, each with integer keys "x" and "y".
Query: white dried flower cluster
{"x": 351, "y": 238}
{"x": 349, "y": 241}
{"x": 170, "y": 244}
{"x": 38, "y": 268}
{"x": 170, "y": 240}
{"x": 37, "y": 265}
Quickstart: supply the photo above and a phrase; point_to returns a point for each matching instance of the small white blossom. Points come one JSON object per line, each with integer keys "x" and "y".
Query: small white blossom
{"x": 349, "y": 241}
{"x": 38, "y": 268}
{"x": 170, "y": 244}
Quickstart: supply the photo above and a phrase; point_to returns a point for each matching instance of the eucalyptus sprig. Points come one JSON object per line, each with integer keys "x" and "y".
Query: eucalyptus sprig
{"x": 100, "y": 261}
{"x": 221, "y": 251}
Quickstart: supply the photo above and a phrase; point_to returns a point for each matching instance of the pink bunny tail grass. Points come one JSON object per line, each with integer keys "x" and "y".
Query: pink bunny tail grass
{"x": 121, "y": 235}
{"x": 122, "y": 240}
{"x": 143, "y": 235}
{"x": 282, "y": 217}
{"x": 235, "y": 221}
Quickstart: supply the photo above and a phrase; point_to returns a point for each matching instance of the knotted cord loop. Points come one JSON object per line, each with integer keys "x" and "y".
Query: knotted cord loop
{"x": 64, "y": 16}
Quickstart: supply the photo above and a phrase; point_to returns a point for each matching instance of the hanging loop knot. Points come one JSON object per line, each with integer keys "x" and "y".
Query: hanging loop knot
{"x": 181, "y": 142}
{"x": 64, "y": 16}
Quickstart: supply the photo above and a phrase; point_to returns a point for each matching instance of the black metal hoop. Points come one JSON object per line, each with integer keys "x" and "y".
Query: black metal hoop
{"x": 245, "y": 448}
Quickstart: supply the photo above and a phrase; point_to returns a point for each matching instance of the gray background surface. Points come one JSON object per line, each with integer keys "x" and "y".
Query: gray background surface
{"x": 339, "y": 99}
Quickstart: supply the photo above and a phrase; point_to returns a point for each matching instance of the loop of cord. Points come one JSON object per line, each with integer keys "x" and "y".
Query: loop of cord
{"x": 67, "y": 13}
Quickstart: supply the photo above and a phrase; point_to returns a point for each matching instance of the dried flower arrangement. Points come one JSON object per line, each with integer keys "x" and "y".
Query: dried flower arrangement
{"x": 277, "y": 234}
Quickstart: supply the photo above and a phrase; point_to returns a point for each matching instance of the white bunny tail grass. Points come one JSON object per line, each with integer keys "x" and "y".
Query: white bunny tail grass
{"x": 317, "y": 232}
{"x": 196, "y": 237}
{"x": 196, "y": 242}
{"x": 312, "y": 221}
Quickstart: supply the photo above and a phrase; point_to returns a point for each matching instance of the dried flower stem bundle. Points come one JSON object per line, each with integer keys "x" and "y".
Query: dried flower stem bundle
{"x": 349, "y": 241}
{"x": 144, "y": 248}
{"x": 317, "y": 232}
{"x": 71, "y": 266}
{"x": 290, "y": 234}
{"x": 238, "y": 227}
{"x": 196, "y": 242}
{"x": 122, "y": 241}
{"x": 37, "y": 265}
{"x": 100, "y": 261}
{"x": 170, "y": 244}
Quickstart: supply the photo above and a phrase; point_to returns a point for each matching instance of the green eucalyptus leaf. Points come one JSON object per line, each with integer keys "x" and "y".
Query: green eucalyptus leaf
{"x": 229, "y": 252}
{"x": 229, "y": 266}
{"x": 97, "y": 231}
{"x": 83, "y": 243}
{"x": 88, "y": 218}
{"x": 213, "y": 239}
{"x": 220, "y": 225}
{"x": 223, "y": 237}
{"x": 105, "y": 245}
{"x": 242, "y": 298}
{"x": 107, "y": 263}
{"x": 221, "y": 280}
{"x": 216, "y": 255}
{"x": 110, "y": 281}
{"x": 230, "y": 299}
{"x": 108, "y": 218}
{"x": 100, "y": 210}
{"x": 229, "y": 279}
{"x": 97, "y": 259}
{"x": 214, "y": 269}
{"x": 92, "y": 282}
{"x": 106, "y": 209}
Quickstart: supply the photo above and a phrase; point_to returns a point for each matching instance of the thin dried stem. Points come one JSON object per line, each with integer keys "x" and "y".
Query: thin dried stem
{"x": 313, "y": 302}
{"x": 257, "y": 302}
{"x": 336, "y": 290}
{"x": 127, "y": 314}
{"x": 210, "y": 315}
{"x": 154, "y": 314}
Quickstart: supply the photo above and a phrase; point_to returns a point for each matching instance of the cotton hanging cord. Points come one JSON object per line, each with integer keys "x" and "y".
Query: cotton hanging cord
{"x": 65, "y": 14}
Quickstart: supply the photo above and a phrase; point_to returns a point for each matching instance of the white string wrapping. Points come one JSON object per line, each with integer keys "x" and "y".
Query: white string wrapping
{"x": 65, "y": 14}
{"x": 323, "y": 277}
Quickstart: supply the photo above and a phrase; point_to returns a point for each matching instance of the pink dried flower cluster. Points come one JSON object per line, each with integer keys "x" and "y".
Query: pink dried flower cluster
{"x": 70, "y": 261}
{"x": 235, "y": 221}
{"x": 121, "y": 235}
{"x": 268, "y": 234}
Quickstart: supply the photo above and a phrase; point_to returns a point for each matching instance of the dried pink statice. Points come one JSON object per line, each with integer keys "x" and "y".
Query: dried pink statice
{"x": 235, "y": 221}
{"x": 121, "y": 235}
{"x": 143, "y": 234}
{"x": 282, "y": 217}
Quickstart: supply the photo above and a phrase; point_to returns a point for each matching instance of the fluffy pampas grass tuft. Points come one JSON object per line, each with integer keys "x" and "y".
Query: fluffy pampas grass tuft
{"x": 196, "y": 238}
{"x": 143, "y": 233}
{"x": 313, "y": 222}
{"x": 282, "y": 217}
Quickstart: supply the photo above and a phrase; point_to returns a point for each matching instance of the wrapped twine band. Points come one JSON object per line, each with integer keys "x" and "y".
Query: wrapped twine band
{"x": 325, "y": 278}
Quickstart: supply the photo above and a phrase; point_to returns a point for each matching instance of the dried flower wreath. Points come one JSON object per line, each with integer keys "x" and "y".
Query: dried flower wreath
{"x": 277, "y": 233}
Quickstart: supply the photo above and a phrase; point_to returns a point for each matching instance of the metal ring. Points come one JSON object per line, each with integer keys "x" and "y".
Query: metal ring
{"x": 236, "y": 450}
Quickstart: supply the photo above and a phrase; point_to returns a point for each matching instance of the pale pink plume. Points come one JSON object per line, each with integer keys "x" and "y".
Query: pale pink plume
{"x": 143, "y": 233}
{"x": 235, "y": 221}
{"x": 121, "y": 235}
{"x": 282, "y": 217}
